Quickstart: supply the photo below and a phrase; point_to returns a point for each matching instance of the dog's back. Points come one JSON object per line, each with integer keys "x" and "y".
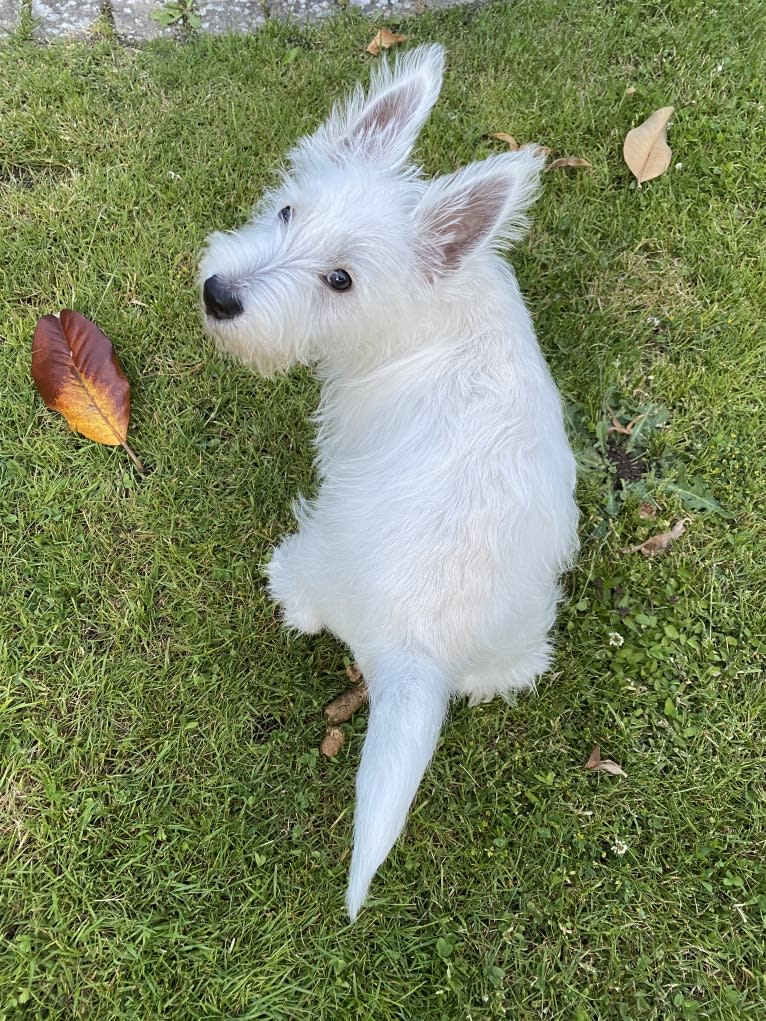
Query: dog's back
{"x": 445, "y": 513}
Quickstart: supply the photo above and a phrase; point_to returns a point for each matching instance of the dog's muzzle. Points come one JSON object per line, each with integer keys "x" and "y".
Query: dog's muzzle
{"x": 220, "y": 301}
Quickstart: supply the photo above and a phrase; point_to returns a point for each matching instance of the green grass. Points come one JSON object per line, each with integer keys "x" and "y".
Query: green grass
{"x": 173, "y": 846}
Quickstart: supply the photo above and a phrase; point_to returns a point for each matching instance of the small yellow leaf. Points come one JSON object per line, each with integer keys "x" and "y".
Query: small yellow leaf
{"x": 568, "y": 161}
{"x": 646, "y": 150}
{"x": 509, "y": 140}
{"x": 384, "y": 40}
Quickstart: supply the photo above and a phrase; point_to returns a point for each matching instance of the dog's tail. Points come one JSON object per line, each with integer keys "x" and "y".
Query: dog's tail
{"x": 408, "y": 701}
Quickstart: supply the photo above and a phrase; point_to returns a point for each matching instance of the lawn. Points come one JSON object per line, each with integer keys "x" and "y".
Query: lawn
{"x": 173, "y": 844}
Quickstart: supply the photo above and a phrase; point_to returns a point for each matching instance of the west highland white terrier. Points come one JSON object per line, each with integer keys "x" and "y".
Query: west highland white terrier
{"x": 445, "y": 513}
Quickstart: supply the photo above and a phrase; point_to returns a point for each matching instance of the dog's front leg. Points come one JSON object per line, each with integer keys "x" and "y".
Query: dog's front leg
{"x": 291, "y": 573}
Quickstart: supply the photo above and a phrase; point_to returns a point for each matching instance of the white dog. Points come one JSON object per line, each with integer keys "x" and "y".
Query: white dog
{"x": 445, "y": 514}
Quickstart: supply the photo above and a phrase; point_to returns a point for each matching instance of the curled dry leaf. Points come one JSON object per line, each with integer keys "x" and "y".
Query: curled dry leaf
{"x": 77, "y": 374}
{"x": 646, "y": 149}
{"x": 332, "y": 742}
{"x": 346, "y": 704}
{"x": 509, "y": 140}
{"x": 617, "y": 426}
{"x": 568, "y": 161}
{"x": 600, "y": 765}
{"x": 659, "y": 543}
{"x": 384, "y": 40}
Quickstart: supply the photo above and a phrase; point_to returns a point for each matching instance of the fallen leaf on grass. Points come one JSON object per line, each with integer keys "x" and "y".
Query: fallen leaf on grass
{"x": 514, "y": 146}
{"x": 659, "y": 543}
{"x": 646, "y": 149}
{"x": 384, "y": 40}
{"x": 647, "y": 511}
{"x": 346, "y": 704}
{"x": 332, "y": 742}
{"x": 618, "y": 427}
{"x": 509, "y": 140}
{"x": 567, "y": 161}
{"x": 638, "y": 428}
{"x": 77, "y": 374}
{"x": 600, "y": 765}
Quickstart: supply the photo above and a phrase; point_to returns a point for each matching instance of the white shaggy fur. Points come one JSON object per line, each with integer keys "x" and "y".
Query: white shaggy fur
{"x": 445, "y": 513}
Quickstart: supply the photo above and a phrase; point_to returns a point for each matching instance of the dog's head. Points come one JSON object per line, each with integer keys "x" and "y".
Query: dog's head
{"x": 344, "y": 254}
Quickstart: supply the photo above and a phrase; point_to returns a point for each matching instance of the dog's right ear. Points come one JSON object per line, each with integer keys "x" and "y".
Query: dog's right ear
{"x": 383, "y": 125}
{"x": 479, "y": 207}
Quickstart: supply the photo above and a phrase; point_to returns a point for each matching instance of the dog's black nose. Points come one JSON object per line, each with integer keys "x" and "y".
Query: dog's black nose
{"x": 220, "y": 300}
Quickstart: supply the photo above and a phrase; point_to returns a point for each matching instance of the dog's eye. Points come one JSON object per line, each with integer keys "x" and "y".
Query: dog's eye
{"x": 339, "y": 280}
{"x": 286, "y": 214}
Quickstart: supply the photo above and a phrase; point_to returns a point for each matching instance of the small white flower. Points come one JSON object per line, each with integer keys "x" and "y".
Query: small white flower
{"x": 653, "y": 320}
{"x": 619, "y": 846}
{"x": 616, "y": 639}
{"x": 719, "y": 68}
{"x": 679, "y": 166}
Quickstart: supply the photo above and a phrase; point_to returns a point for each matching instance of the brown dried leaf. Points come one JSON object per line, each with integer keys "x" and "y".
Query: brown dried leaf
{"x": 595, "y": 758}
{"x": 332, "y": 742}
{"x": 77, "y": 373}
{"x": 659, "y": 543}
{"x": 618, "y": 427}
{"x": 509, "y": 140}
{"x": 600, "y": 765}
{"x": 384, "y": 40}
{"x": 346, "y": 704}
{"x": 568, "y": 161}
{"x": 647, "y": 511}
{"x": 646, "y": 149}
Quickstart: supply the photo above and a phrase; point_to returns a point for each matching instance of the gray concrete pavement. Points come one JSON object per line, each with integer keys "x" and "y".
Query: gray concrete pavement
{"x": 133, "y": 21}
{"x": 10, "y": 12}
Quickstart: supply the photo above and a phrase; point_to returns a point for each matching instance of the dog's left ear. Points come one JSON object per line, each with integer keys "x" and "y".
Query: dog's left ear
{"x": 479, "y": 206}
{"x": 383, "y": 125}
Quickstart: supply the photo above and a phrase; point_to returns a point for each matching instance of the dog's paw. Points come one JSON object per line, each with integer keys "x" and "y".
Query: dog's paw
{"x": 300, "y": 618}
{"x": 296, "y": 607}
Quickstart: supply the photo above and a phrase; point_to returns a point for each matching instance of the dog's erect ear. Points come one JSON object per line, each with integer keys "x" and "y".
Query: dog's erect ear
{"x": 481, "y": 205}
{"x": 383, "y": 125}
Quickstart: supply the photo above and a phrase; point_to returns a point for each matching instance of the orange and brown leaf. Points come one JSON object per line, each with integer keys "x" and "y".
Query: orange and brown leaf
{"x": 384, "y": 40}
{"x": 77, "y": 374}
